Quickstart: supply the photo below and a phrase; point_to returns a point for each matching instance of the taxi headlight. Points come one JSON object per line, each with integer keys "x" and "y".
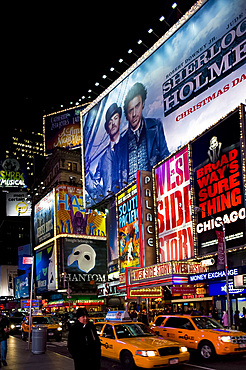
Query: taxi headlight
{"x": 59, "y": 328}
{"x": 60, "y": 323}
{"x": 183, "y": 349}
{"x": 12, "y": 326}
{"x": 146, "y": 353}
{"x": 225, "y": 338}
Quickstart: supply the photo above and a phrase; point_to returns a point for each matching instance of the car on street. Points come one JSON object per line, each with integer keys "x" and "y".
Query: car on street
{"x": 201, "y": 333}
{"x": 15, "y": 324}
{"x": 134, "y": 344}
{"x": 54, "y": 330}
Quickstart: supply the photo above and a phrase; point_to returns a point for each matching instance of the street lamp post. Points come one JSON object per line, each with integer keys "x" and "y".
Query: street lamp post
{"x": 198, "y": 209}
{"x": 64, "y": 275}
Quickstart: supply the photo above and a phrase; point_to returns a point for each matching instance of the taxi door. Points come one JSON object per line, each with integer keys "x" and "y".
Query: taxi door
{"x": 108, "y": 341}
{"x": 180, "y": 329}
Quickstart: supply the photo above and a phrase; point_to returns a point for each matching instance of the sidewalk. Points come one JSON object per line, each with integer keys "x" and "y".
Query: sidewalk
{"x": 20, "y": 358}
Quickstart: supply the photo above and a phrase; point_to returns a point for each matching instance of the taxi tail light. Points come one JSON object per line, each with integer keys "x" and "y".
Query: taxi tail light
{"x": 146, "y": 353}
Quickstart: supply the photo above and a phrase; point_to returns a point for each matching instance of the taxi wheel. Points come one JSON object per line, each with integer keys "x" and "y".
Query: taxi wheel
{"x": 127, "y": 360}
{"x": 206, "y": 350}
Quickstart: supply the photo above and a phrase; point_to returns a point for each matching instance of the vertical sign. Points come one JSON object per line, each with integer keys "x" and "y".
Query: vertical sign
{"x": 146, "y": 217}
{"x": 218, "y": 183}
{"x": 174, "y": 208}
{"x": 128, "y": 228}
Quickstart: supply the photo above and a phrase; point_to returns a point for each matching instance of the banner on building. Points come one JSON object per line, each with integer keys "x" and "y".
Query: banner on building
{"x": 84, "y": 262}
{"x": 44, "y": 218}
{"x": 18, "y": 204}
{"x": 73, "y": 218}
{"x": 62, "y": 129}
{"x": 173, "y": 199}
{"x": 218, "y": 183}
{"x": 190, "y": 78}
{"x": 128, "y": 228}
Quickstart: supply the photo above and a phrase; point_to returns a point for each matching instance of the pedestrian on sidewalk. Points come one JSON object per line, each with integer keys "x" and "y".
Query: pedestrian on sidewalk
{"x": 225, "y": 319}
{"x": 4, "y": 334}
{"x": 83, "y": 343}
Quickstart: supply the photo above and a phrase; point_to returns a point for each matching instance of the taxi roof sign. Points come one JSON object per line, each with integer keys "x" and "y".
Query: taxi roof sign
{"x": 117, "y": 316}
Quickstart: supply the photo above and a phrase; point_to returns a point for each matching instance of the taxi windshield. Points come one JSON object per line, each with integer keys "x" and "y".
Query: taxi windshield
{"x": 132, "y": 330}
{"x": 43, "y": 320}
{"x": 206, "y": 323}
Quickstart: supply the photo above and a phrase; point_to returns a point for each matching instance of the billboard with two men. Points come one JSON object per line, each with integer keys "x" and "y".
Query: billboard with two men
{"x": 188, "y": 80}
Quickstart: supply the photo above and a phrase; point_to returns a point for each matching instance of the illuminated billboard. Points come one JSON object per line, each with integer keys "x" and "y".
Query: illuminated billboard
{"x": 128, "y": 228}
{"x": 84, "y": 262}
{"x": 173, "y": 199}
{"x": 46, "y": 269}
{"x": 12, "y": 174}
{"x": 17, "y": 204}
{"x": 218, "y": 181}
{"x": 73, "y": 218}
{"x": 189, "y": 79}
{"x": 62, "y": 129}
{"x": 44, "y": 218}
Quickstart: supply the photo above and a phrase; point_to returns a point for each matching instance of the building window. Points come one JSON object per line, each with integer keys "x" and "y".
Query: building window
{"x": 69, "y": 166}
{"x": 75, "y": 167}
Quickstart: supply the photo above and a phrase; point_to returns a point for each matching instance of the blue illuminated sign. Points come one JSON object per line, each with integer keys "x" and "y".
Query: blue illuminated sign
{"x": 218, "y": 275}
{"x": 220, "y": 289}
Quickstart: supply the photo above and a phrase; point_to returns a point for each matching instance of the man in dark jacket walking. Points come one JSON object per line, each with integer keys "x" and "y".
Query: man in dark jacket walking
{"x": 4, "y": 333}
{"x": 83, "y": 343}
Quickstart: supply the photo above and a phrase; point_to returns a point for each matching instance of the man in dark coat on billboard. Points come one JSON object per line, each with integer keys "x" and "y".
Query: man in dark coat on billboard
{"x": 106, "y": 177}
{"x": 144, "y": 143}
{"x": 83, "y": 343}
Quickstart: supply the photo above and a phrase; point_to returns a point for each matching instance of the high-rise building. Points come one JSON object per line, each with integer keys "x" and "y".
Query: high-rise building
{"x": 27, "y": 147}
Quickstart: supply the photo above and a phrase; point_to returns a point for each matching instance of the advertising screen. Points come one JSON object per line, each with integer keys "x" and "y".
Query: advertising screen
{"x": 85, "y": 262}
{"x": 62, "y": 129}
{"x": 191, "y": 77}
{"x": 44, "y": 219}
{"x": 128, "y": 228}
{"x": 173, "y": 199}
{"x": 73, "y": 218}
{"x": 218, "y": 183}
{"x": 45, "y": 269}
{"x": 17, "y": 204}
{"x": 21, "y": 286}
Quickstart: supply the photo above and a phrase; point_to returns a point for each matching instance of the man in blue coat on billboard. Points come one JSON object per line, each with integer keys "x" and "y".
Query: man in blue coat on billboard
{"x": 144, "y": 143}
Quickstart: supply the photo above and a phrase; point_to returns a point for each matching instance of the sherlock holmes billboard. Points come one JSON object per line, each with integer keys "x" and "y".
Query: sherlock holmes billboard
{"x": 189, "y": 79}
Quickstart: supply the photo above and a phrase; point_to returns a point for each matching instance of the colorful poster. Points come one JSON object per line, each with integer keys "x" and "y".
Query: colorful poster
{"x": 192, "y": 76}
{"x": 45, "y": 269}
{"x": 218, "y": 180}
{"x": 21, "y": 286}
{"x": 173, "y": 197}
{"x": 128, "y": 228}
{"x": 72, "y": 218}
{"x": 62, "y": 129}
{"x": 85, "y": 263}
{"x": 44, "y": 219}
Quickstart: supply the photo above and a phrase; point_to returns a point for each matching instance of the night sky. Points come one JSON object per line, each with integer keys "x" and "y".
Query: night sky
{"x": 53, "y": 54}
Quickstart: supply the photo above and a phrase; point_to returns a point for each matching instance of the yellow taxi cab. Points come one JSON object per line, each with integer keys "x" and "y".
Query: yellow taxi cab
{"x": 54, "y": 330}
{"x": 134, "y": 344}
{"x": 201, "y": 333}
